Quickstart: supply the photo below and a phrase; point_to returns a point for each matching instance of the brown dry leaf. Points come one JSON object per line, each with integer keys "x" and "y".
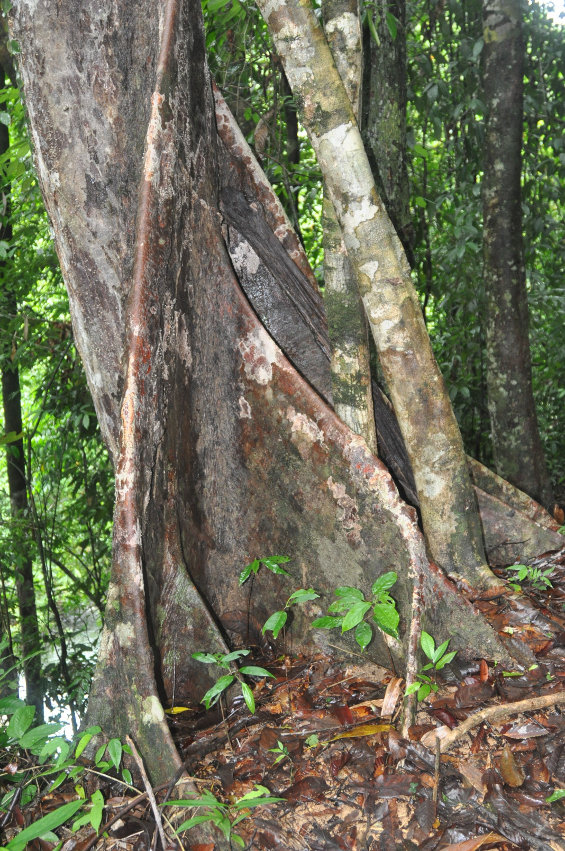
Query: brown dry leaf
{"x": 429, "y": 738}
{"x": 477, "y": 842}
{"x": 472, "y": 774}
{"x": 512, "y": 773}
{"x": 392, "y": 694}
{"x": 362, "y": 730}
{"x": 528, "y": 730}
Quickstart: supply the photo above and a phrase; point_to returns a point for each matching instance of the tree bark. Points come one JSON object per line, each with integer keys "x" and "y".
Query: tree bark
{"x": 419, "y": 396}
{"x": 517, "y": 449}
{"x": 350, "y": 364}
{"x": 383, "y": 121}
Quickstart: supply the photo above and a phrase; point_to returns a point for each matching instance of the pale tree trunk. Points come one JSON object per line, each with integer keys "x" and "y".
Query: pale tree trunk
{"x": 518, "y": 453}
{"x": 447, "y": 502}
{"x": 223, "y": 451}
{"x": 347, "y": 324}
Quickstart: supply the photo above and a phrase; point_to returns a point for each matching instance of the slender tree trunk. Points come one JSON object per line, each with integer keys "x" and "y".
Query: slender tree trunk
{"x": 517, "y": 448}
{"x": 17, "y": 486}
{"x": 447, "y": 502}
{"x": 347, "y": 324}
{"x": 383, "y": 122}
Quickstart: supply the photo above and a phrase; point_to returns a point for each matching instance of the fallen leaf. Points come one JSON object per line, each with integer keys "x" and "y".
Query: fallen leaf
{"x": 512, "y": 773}
{"x": 361, "y": 730}
{"x": 392, "y": 694}
{"x": 477, "y": 842}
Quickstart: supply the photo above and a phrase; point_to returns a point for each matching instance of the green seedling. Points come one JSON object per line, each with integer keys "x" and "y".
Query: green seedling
{"x": 556, "y": 795}
{"x": 277, "y": 620}
{"x": 272, "y": 563}
{"x": 225, "y": 816}
{"x": 227, "y": 661}
{"x": 438, "y": 660}
{"x": 535, "y": 576}
{"x": 351, "y": 611}
{"x": 281, "y": 750}
{"x": 312, "y": 741}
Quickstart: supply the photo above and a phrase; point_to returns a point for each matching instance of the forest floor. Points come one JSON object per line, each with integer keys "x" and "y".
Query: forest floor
{"x": 325, "y": 739}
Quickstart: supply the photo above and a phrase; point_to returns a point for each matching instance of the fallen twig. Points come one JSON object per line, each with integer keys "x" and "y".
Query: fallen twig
{"x": 149, "y": 790}
{"x": 490, "y": 713}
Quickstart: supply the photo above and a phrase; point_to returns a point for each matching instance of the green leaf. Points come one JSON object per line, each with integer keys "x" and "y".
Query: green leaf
{"x": 412, "y": 688}
{"x": 247, "y": 571}
{"x": 424, "y": 691}
{"x": 355, "y": 615}
{"x": 115, "y": 751}
{"x": 248, "y": 697}
{"x": 348, "y": 591}
{"x": 9, "y": 704}
{"x": 207, "y": 658}
{"x": 258, "y": 797}
{"x": 214, "y": 693}
{"x": 556, "y": 795}
{"x": 419, "y": 201}
{"x": 439, "y": 651}
{"x": 428, "y": 645}
{"x": 275, "y": 623}
{"x": 387, "y": 618}
{"x": 126, "y": 774}
{"x": 82, "y": 743}
{"x": 272, "y": 563}
{"x": 449, "y": 657}
{"x": 392, "y": 25}
{"x": 302, "y": 596}
{"x": 192, "y": 822}
{"x": 44, "y": 825}
{"x": 255, "y": 671}
{"x": 235, "y": 654}
{"x": 384, "y": 582}
{"x": 97, "y": 809}
{"x": 38, "y": 735}
{"x": 363, "y": 635}
{"x": 20, "y": 721}
{"x": 99, "y": 754}
{"x": 326, "y": 622}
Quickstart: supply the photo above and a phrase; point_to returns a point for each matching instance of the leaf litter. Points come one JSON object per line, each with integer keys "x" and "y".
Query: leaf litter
{"x": 473, "y": 772}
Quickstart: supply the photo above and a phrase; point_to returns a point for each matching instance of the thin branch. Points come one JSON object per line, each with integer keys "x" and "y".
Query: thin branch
{"x": 491, "y": 713}
{"x": 149, "y": 790}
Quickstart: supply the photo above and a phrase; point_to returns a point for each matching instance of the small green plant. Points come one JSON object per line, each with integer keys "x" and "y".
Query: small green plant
{"x": 312, "y": 741}
{"x": 227, "y": 661}
{"x": 556, "y": 795}
{"x": 225, "y": 816}
{"x": 272, "y": 563}
{"x": 54, "y": 764}
{"x": 277, "y": 620}
{"x": 438, "y": 660}
{"x": 352, "y": 609}
{"x": 535, "y": 576}
{"x": 281, "y": 750}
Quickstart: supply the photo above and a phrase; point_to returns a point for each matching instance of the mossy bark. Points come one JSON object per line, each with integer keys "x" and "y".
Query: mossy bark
{"x": 347, "y": 325}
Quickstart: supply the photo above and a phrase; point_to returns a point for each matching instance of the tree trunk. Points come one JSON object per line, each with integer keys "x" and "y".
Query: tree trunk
{"x": 517, "y": 448}
{"x": 449, "y": 511}
{"x": 350, "y": 365}
{"x": 223, "y": 451}
{"x": 383, "y": 120}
